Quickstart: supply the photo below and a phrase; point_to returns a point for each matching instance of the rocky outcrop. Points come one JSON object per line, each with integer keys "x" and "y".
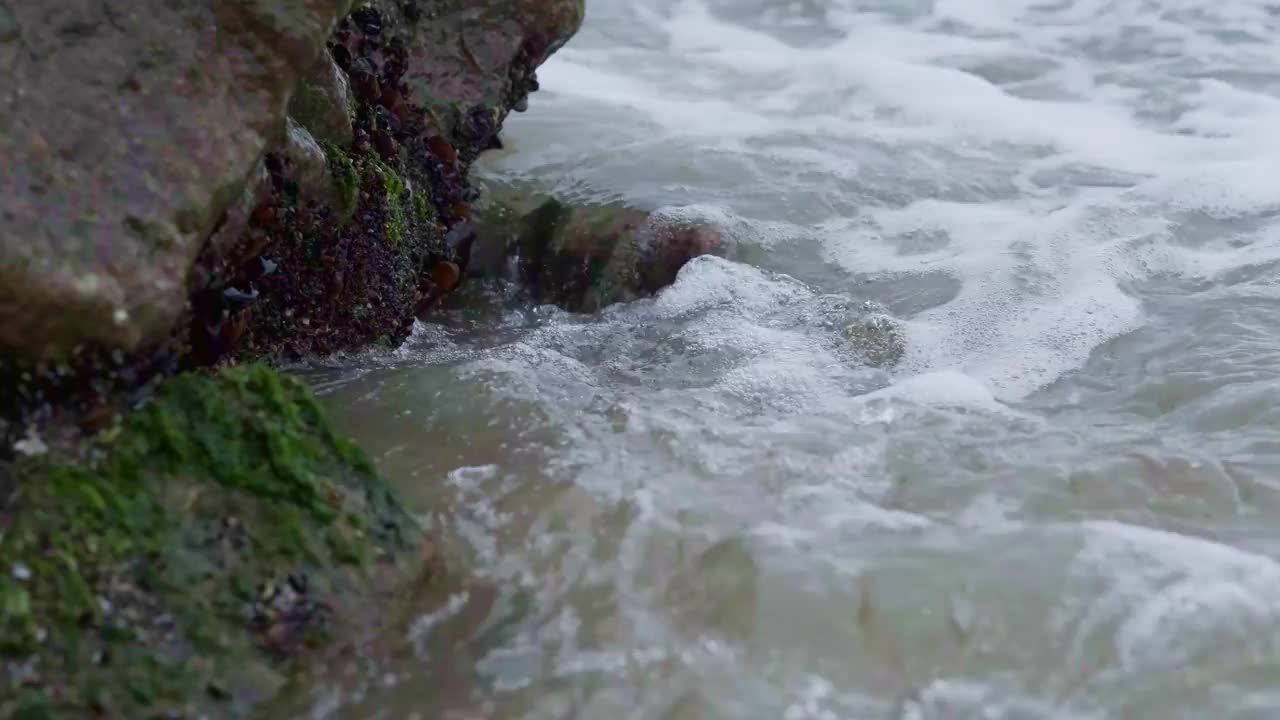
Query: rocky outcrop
{"x": 127, "y": 130}
{"x": 134, "y": 132}
{"x": 328, "y": 177}
{"x": 185, "y": 188}
{"x": 327, "y": 267}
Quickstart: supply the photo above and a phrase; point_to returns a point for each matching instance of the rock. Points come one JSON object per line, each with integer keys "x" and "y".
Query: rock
{"x": 126, "y": 129}
{"x": 479, "y": 61}
{"x": 224, "y": 536}
{"x": 309, "y": 167}
{"x": 323, "y": 103}
{"x": 134, "y": 128}
{"x": 446, "y": 276}
{"x": 877, "y": 341}
{"x": 235, "y": 221}
{"x": 362, "y": 266}
{"x": 587, "y": 257}
{"x": 217, "y": 536}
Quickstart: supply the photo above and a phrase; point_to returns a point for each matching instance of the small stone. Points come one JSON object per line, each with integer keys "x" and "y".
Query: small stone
{"x": 443, "y": 151}
{"x": 32, "y": 445}
{"x": 446, "y": 276}
{"x": 878, "y": 340}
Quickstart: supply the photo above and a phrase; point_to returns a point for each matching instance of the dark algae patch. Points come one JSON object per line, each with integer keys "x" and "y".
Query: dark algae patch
{"x": 217, "y": 540}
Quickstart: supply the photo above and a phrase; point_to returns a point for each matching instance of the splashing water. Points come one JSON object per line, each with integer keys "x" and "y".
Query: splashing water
{"x": 1060, "y": 502}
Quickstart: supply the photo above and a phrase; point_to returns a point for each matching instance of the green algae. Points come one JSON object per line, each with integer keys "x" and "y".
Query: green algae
{"x": 424, "y": 211}
{"x": 394, "y": 191}
{"x": 345, "y": 175}
{"x": 145, "y": 580}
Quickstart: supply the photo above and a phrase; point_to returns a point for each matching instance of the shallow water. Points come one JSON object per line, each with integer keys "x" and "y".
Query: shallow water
{"x": 1063, "y": 501}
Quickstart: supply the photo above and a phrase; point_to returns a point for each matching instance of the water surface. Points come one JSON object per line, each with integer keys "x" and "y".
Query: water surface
{"x": 1063, "y": 501}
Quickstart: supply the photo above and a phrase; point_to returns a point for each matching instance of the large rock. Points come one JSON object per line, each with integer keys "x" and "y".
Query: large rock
{"x": 126, "y": 129}
{"x": 477, "y": 60}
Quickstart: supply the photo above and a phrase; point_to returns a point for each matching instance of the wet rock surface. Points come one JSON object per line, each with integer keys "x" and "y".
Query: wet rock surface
{"x": 480, "y": 59}
{"x": 586, "y": 257}
{"x": 206, "y": 548}
{"x": 430, "y": 84}
{"x": 323, "y": 103}
{"x": 127, "y": 130}
{"x": 318, "y": 237}
{"x": 196, "y": 186}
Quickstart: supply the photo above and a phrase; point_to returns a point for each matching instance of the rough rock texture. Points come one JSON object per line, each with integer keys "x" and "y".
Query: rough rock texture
{"x": 310, "y": 165}
{"x": 317, "y": 237}
{"x": 126, "y": 129}
{"x": 176, "y": 542}
{"x": 480, "y": 59}
{"x": 323, "y": 103}
{"x": 204, "y": 550}
{"x": 430, "y": 85}
{"x": 132, "y": 128}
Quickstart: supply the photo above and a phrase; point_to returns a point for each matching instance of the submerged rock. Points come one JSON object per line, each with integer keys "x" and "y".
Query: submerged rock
{"x": 584, "y": 258}
{"x": 877, "y": 340}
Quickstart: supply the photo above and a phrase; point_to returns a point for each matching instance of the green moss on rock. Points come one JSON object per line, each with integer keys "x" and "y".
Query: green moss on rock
{"x": 345, "y": 175}
{"x": 222, "y": 532}
{"x": 394, "y": 195}
{"x": 424, "y": 212}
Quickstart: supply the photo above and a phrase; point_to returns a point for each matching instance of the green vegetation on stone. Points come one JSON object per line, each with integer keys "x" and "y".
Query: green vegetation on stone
{"x": 131, "y": 582}
{"x": 394, "y": 194}
{"x": 424, "y": 212}
{"x": 345, "y": 175}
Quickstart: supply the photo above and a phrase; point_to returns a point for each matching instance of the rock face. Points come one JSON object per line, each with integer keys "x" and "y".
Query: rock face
{"x": 478, "y": 61}
{"x": 129, "y": 130}
{"x": 323, "y": 103}
{"x": 194, "y": 182}
{"x": 126, "y": 128}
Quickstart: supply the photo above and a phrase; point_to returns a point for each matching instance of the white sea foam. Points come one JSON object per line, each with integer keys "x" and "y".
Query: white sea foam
{"x": 1043, "y": 275}
{"x": 1059, "y": 502}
